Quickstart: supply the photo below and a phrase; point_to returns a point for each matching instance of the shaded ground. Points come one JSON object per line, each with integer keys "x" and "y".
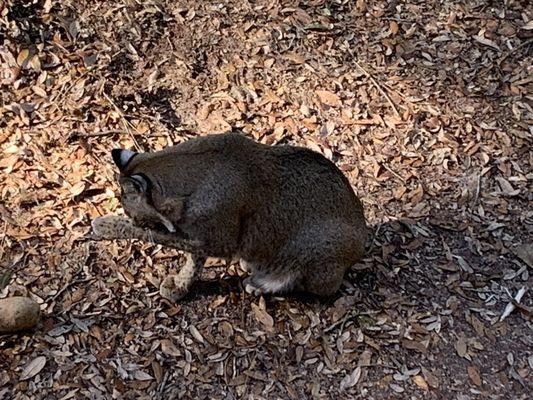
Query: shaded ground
{"x": 425, "y": 105}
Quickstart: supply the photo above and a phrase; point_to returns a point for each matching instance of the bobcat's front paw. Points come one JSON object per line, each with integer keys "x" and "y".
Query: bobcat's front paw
{"x": 109, "y": 227}
{"x": 173, "y": 288}
{"x": 251, "y": 288}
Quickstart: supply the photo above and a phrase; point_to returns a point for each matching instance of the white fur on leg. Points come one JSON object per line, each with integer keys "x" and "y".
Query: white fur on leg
{"x": 267, "y": 284}
{"x": 251, "y": 289}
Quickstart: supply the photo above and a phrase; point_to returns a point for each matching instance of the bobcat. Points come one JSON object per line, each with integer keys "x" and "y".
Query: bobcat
{"x": 286, "y": 212}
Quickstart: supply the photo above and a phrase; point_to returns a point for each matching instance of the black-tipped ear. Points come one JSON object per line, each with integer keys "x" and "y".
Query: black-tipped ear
{"x": 122, "y": 157}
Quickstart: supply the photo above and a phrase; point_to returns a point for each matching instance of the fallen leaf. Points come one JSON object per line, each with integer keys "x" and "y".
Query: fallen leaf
{"x": 351, "y": 380}
{"x": 414, "y": 345}
{"x": 393, "y": 26}
{"x": 262, "y": 317}
{"x": 196, "y": 334}
{"x": 397, "y": 388}
{"x": 473, "y": 373}
{"x": 460, "y": 347}
{"x": 169, "y": 348}
{"x": 528, "y": 26}
{"x": 77, "y": 189}
{"x": 329, "y": 98}
{"x": 420, "y": 382}
{"x": 158, "y": 371}
{"x": 486, "y": 42}
{"x": 39, "y": 91}
{"x": 430, "y": 378}
{"x": 33, "y": 368}
{"x": 142, "y": 376}
{"x": 22, "y": 56}
{"x": 295, "y": 58}
{"x": 525, "y": 253}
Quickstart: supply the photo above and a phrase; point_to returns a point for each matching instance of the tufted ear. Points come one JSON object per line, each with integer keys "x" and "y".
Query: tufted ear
{"x": 122, "y": 157}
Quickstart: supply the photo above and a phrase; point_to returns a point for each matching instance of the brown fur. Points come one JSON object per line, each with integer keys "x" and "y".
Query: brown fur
{"x": 286, "y": 211}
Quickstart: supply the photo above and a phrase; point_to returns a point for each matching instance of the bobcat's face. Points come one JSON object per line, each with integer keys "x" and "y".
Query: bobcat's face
{"x": 137, "y": 196}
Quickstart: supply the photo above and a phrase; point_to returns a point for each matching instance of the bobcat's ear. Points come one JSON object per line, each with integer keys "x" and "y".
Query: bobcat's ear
{"x": 122, "y": 157}
{"x": 137, "y": 183}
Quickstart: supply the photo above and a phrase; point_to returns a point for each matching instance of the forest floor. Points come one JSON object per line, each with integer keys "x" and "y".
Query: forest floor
{"x": 426, "y": 106}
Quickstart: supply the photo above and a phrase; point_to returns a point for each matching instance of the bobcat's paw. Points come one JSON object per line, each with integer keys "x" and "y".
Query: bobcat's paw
{"x": 250, "y": 288}
{"x": 110, "y": 227}
{"x": 173, "y": 288}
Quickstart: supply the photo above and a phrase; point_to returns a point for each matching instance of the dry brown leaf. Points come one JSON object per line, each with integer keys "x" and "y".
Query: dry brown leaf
{"x": 430, "y": 378}
{"x": 77, "y": 189}
{"x": 294, "y": 57}
{"x": 142, "y": 376}
{"x": 414, "y": 345}
{"x": 158, "y": 371}
{"x": 420, "y": 382}
{"x": 169, "y": 348}
{"x": 328, "y": 98}
{"x": 262, "y": 317}
{"x": 39, "y": 91}
{"x": 218, "y": 301}
{"x": 196, "y": 334}
{"x": 33, "y": 368}
{"x": 22, "y": 56}
{"x": 473, "y": 373}
{"x": 525, "y": 253}
{"x": 461, "y": 347}
{"x": 528, "y": 26}
{"x": 351, "y": 379}
{"x": 486, "y": 42}
{"x": 393, "y": 26}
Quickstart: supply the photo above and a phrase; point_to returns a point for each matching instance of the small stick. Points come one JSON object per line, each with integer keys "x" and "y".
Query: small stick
{"x": 97, "y": 134}
{"x": 514, "y": 50}
{"x": 378, "y": 87}
{"x": 393, "y": 173}
{"x": 376, "y": 232}
{"x": 124, "y": 121}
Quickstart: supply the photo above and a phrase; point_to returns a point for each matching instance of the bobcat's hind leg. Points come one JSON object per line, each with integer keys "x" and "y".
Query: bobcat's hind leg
{"x": 261, "y": 283}
{"x": 324, "y": 280}
{"x": 175, "y": 287}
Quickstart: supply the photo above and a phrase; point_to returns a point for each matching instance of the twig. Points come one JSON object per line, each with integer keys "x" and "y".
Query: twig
{"x": 4, "y": 236}
{"x": 380, "y": 366}
{"x": 378, "y": 87}
{"x": 124, "y": 121}
{"x": 410, "y": 21}
{"x": 514, "y": 50}
{"x": 97, "y": 134}
{"x": 376, "y": 232}
{"x": 393, "y": 173}
{"x": 476, "y": 194}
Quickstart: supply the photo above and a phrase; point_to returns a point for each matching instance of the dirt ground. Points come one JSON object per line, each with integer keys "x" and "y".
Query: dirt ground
{"x": 425, "y": 105}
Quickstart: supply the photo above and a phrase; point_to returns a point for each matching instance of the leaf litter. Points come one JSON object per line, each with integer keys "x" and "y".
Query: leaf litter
{"x": 425, "y": 106}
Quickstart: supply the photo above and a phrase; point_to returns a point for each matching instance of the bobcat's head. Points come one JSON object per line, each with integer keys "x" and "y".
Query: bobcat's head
{"x": 141, "y": 198}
